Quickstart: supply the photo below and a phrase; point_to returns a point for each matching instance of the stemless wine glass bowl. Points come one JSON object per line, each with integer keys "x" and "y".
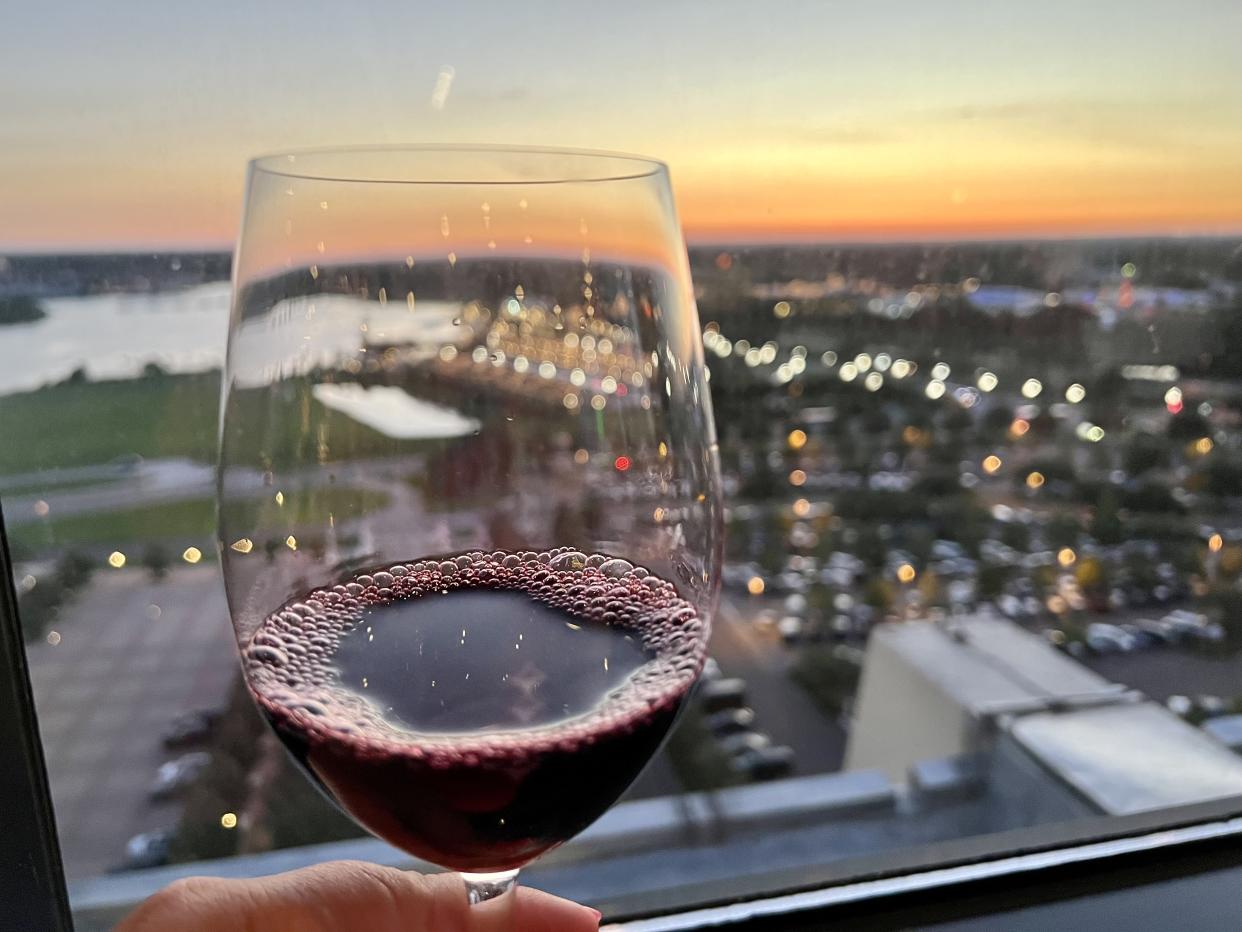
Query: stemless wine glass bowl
{"x": 469, "y": 504}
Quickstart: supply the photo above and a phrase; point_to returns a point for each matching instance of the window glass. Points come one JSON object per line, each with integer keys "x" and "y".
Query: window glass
{"x": 970, "y": 285}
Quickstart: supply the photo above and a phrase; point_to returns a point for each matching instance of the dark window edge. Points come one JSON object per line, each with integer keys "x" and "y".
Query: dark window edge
{"x": 33, "y": 894}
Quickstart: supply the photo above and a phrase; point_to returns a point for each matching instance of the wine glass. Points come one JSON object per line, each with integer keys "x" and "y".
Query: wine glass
{"x": 469, "y": 506}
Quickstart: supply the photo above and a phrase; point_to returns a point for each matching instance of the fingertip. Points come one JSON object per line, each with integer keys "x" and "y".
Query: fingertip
{"x": 537, "y": 910}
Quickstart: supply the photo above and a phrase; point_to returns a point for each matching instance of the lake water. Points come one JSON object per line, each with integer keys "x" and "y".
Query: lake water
{"x": 112, "y": 336}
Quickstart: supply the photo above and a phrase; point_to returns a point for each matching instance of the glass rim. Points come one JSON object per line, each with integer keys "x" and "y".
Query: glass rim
{"x": 597, "y": 165}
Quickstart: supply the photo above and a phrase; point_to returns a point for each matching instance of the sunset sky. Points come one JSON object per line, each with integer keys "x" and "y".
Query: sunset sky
{"x": 780, "y": 120}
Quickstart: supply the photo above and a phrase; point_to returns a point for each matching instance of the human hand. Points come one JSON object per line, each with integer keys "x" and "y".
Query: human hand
{"x": 346, "y": 895}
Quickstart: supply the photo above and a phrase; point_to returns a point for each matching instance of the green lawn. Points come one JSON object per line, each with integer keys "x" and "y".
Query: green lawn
{"x": 41, "y": 486}
{"x": 88, "y": 423}
{"x": 190, "y": 518}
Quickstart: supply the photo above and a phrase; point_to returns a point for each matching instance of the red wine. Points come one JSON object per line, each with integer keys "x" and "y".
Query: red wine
{"x": 478, "y": 710}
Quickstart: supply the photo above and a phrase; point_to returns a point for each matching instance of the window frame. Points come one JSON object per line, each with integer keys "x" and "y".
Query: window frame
{"x": 34, "y": 896}
{"x": 1172, "y": 841}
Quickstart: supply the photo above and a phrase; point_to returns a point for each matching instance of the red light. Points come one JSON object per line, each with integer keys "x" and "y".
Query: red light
{"x": 622, "y": 463}
{"x": 1175, "y": 407}
{"x": 622, "y": 390}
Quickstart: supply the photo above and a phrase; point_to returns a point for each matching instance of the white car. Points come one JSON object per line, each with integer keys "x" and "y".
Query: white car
{"x": 176, "y": 775}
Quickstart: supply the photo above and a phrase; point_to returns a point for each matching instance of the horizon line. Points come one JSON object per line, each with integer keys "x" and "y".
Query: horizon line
{"x": 696, "y": 242}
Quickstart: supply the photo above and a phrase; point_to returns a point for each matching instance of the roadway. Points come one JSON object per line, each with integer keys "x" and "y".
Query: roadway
{"x": 783, "y": 711}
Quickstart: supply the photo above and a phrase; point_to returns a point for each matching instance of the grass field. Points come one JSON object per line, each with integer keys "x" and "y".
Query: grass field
{"x": 88, "y": 423}
{"x": 41, "y": 486}
{"x": 190, "y": 518}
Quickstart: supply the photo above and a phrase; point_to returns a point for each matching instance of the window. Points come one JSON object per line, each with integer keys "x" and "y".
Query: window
{"x": 969, "y": 285}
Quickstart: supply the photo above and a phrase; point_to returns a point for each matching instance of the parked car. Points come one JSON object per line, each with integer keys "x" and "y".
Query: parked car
{"x": 730, "y": 721}
{"x": 1104, "y": 638}
{"x": 190, "y": 728}
{"x": 743, "y": 741}
{"x": 791, "y": 628}
{"x": 715, "y": 695}
{"x": 1160, "y": 631}
{"x": 150, "y": 849}
{"x": 175, "y": 775}
{"x": 766, "y": 763}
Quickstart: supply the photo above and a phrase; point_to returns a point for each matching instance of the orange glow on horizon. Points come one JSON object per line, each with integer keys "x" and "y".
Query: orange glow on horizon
{"x": 1093, "y": 121}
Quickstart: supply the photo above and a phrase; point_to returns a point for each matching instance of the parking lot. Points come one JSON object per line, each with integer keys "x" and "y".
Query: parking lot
{"x": 120, "y": 664}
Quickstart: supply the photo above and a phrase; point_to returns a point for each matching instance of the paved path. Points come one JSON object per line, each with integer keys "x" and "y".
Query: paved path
{"x": 119, "y": 674}
{"x": 783, "y": 711}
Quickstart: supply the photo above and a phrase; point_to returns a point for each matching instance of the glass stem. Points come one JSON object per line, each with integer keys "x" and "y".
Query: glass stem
{"x": 483, "y": 887}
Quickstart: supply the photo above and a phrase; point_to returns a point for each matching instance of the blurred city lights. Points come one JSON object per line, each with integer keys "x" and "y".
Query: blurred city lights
{"x": 116, "y": 559}
{"x": 1203, "y": 445}
{"x": 754, "y": 585}
{"x": 1019, "y": 427}
{"x": 1215, "y": 543}
{"x": 191, "y": 555}
{"x": 1066, "y": 556}
{"x": 228, "y": 820}
{"x": 781, "y": 310}
{"x": 797, "y": 478}
{"x": 1031, "y": 388}
{"x": 245, "y": 545}
{"x": 941, "y": 371}
{"x": 801, "y": 508}
{"x": 1034, "y": 480}
{"x": 848, "y": 372}
{"x": 934, "y": 389}
{"x": 797, "y": 439}
{"x": 906, "y": 573}
{"x": 987, "y": 381}
{"x": 1075, "y": 393}
{"x": 622, "y": 463}
{"x": 873, "y": 382}
{"x": 991, "y": 464}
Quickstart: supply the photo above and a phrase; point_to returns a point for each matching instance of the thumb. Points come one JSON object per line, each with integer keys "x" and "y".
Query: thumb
{"x": 343, "y": 895}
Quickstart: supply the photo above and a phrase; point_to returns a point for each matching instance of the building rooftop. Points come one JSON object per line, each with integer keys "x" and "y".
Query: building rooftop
{"x": 990, "y": 666}
{"x": 1130, "y": 757}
